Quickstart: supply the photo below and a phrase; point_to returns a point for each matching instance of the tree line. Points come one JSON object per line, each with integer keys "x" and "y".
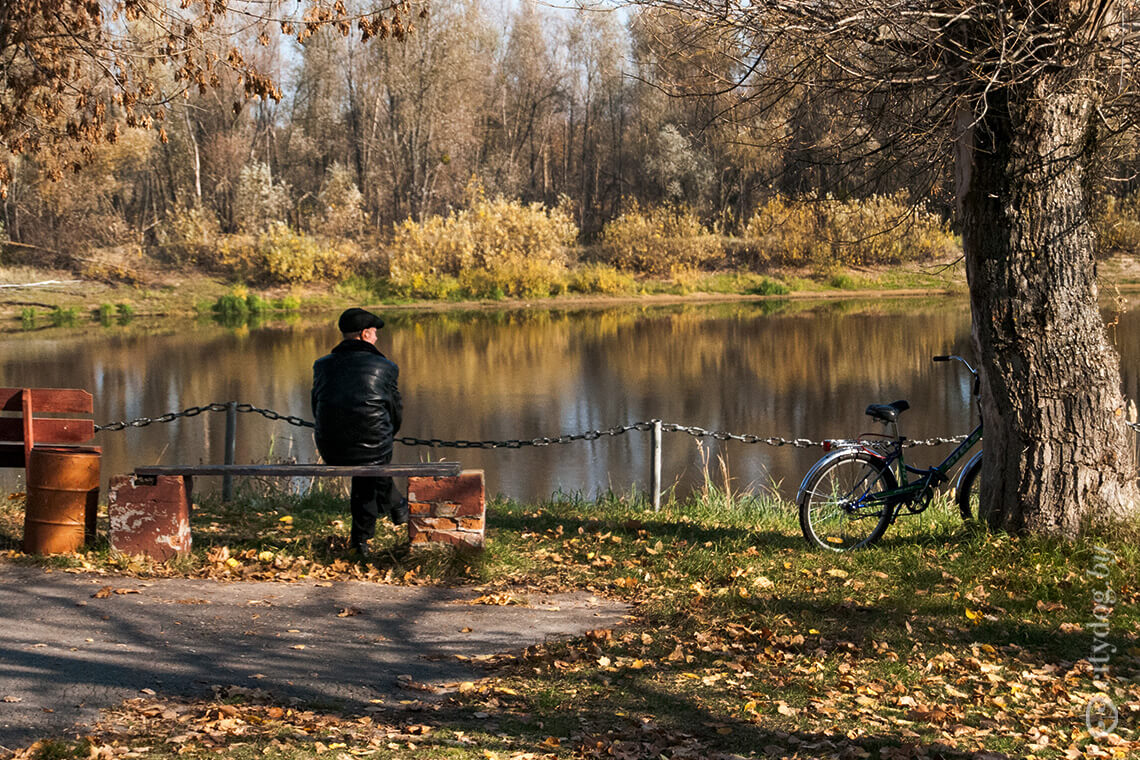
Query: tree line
{"x": 600, "y": 109}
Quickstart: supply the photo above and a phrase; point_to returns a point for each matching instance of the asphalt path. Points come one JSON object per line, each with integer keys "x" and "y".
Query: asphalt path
{"x": 67, "y": 650}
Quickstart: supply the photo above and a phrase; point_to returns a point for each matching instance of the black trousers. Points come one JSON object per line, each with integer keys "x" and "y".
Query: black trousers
{"x": 369, "y": 498}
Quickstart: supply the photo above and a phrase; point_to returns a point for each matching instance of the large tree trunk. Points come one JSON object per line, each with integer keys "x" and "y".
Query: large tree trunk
{"x": 1058, "y": 454}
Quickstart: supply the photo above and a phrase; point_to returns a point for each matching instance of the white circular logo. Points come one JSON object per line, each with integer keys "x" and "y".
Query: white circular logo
{"x": 1101, "y": 716}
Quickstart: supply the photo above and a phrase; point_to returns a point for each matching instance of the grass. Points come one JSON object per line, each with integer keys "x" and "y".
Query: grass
{"x": 942, "y": 641}
{"x": 64, "y": 317}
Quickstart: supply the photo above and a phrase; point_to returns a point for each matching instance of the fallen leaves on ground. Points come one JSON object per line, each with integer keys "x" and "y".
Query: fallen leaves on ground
{"x": 501, "y": 599}
{"x": 238, "y": 717}
{"x": 106, "y": 591}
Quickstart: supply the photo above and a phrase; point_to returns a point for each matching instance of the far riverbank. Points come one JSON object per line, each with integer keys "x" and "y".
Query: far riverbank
{"x": 31, "y": 294}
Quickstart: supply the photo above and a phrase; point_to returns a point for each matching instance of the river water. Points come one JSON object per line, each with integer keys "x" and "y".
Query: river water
{"x": 789, "y": 369}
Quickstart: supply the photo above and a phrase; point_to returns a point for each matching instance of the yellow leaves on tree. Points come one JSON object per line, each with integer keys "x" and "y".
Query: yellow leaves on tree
{"x": 71, "y": 73}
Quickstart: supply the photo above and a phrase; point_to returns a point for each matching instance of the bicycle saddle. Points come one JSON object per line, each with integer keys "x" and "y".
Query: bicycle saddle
{"x": 887, "y": 412}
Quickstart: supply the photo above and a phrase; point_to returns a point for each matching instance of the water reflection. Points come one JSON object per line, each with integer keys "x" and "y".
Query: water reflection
{"x": 789, "y": 370}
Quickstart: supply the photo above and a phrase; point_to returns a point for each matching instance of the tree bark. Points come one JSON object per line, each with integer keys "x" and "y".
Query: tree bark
{"x": 1058, "y": 454}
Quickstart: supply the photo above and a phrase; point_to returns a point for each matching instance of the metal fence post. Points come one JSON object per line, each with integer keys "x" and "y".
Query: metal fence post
{"x": 655, "y": 474}
{"x": 230, "y": 450}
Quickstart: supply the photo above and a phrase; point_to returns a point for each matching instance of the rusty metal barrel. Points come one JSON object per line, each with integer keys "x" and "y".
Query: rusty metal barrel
{"x": 63, "y": 499}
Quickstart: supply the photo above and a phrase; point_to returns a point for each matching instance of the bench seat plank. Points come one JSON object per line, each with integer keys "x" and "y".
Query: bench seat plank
{"x": 74, "y": 400}
{"x": 425, "y": 469}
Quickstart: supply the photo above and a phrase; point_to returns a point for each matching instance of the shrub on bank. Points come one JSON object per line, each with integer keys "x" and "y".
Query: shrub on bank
{"x": 239, "y": 305}
{"x": 658, "y": 240}
{"x": 828, "y": 233}
{"x": 187, "y": 236}
{"x": 1117, "y": 224}
{"x": 274, "y": 256}
{"x": 285, "y": 256}
{"x": 601, "y": 279}
{"x": 282, "y": 256}
{"x": 490, "y": 247}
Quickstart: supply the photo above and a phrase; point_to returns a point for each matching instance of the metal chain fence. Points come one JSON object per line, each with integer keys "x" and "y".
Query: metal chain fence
{"x": 655, "y": 427}
{"x": 518, "y": 443}
{"x": 194, "y": 411}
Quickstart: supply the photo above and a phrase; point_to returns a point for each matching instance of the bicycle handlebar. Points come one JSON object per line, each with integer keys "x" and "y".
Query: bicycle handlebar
{"x": 966, "y": 364}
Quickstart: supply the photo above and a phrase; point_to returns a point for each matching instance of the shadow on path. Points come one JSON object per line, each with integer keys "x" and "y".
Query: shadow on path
{"x": 64, "y": 654}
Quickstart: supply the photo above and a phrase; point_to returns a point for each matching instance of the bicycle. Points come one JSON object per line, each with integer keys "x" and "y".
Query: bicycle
{"x": 852, "y": 495}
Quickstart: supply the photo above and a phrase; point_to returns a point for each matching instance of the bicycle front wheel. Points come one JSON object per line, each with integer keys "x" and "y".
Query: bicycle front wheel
{"x": 837, "y": 509}
{"x": 969, "y": 486}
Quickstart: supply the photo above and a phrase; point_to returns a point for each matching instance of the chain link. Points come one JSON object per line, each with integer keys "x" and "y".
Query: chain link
{"x": 518, "y": 443}
{"x": 935, "y": 441}
{"x": 589, "y": 435}
{"x": 699, "y": 432}
{"x": 138, "y": 422}
{"x": 194, "y": 411}
{"x": 269, "y": 414}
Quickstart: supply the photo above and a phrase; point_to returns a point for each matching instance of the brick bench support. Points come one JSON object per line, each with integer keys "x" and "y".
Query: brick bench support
{"x": 150, "y": 515}
{"x": 149, "y": 511}
{"x": 449, "y": 510}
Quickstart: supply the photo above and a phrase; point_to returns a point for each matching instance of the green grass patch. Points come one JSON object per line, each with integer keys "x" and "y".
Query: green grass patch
{"x": 64, "y": 317}
{"x": 241, "y": 307}
{"x": 842, "y": 282}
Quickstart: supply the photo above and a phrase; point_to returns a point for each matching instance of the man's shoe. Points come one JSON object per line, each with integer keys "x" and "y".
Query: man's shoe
{"x": 400, "y": 513}
{"x": 358, "y": 550}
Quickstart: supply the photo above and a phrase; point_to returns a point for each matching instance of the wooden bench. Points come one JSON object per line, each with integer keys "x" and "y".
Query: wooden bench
{"x": 61, "y": 478}
{"x": 20, "y": 434}
{"x": 149, "y": 511}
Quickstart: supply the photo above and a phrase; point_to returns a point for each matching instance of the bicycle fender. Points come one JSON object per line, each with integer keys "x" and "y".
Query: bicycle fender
{"x": 823, "y": 462}
{"x": 966, "y": 468}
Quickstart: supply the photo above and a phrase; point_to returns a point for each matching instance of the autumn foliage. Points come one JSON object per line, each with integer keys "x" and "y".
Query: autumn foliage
{"x": 74, "y": 73}
{"x": 827, "y": 232}
{"x": 659, "y": 240}
{"x": 492, "y": 245}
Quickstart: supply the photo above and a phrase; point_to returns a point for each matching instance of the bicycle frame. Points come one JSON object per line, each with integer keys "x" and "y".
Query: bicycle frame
{"x": 909, "y": 491}
{"x": 829, "y": 503}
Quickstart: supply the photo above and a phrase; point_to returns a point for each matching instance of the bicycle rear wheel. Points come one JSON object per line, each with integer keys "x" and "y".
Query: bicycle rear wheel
{"x": 836, "y": 511}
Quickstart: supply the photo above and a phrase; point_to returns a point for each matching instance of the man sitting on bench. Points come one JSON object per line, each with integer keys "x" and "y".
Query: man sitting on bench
{"x": 357, "y": 410}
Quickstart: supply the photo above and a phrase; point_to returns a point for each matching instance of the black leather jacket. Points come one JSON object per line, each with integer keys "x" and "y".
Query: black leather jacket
{"x": 356, "y": 404}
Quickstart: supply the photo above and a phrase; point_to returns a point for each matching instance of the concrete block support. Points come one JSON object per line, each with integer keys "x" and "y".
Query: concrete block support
{"x": 449, "y": 510}
{"x": 151, "y": 518}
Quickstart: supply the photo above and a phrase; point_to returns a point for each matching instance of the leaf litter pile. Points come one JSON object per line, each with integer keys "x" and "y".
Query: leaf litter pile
{"x": 942, "y": 642}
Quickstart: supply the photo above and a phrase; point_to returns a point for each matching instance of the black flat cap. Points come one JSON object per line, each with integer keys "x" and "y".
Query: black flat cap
{"x": 355, "y": 320}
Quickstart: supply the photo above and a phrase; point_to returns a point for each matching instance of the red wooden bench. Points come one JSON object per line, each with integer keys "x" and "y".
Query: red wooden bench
{"x": 24, "y": 424}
